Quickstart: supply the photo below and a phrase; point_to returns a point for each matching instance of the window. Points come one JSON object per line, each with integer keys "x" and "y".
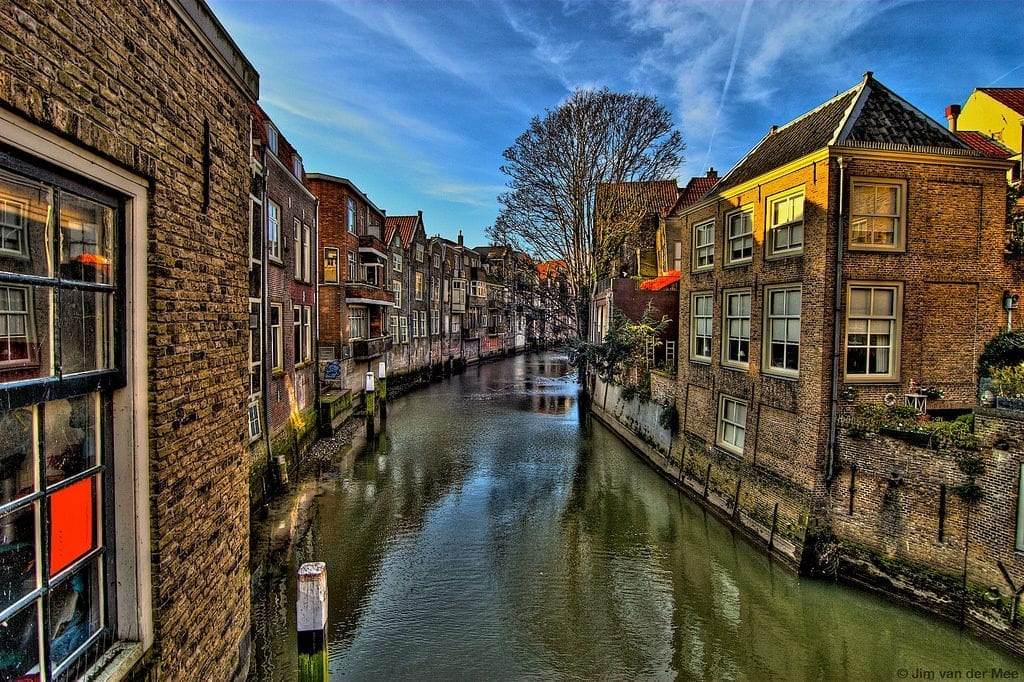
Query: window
{"x": 302, "y": 340}
{"x": 72, "y": 263}
{"x": 701, "y": 312}
{"x": 435, "y": 322}
{"x": 330, "y": 265}
{"x": 456, "y": 324}
{"x": 704, "y": 245}
{"x": 437, "y": 261}
{"x": 876, "y": 215}
{"x": 274, "y": 230}
{"x": 271, "y": 137}
{"x": 255, "y": 349}
{"x": 403, "y": 329}
{"x": 351, "y": 216}
{"x": 786, "y": 224}
{"x": 1019, "y": 544}
{"x": 276, "y": 338}
{"x": 782, "y": 336}
{"x": 297, "y": 251}
{"x": 357, "y": 322}
{"x": 307, "y": 254}
{"x": 872, "y": 328}
{"x": 254, "y": 420}
{"x": 14, "y": 218}
{"x": 677, "y": 258}
{"x": 732, "y": 424}
{"x": 394, "y": 327}
{"x": 477, "y": 288}
{"x": 740, "y": 239}
{"x": 396, "y": 287}
{"x": 419, "y": 253}
{"x": 297, "y": 165}
{"x": 353, "y": 267}
{"x": 736, "y": 351}
{"x": 255, "y": 232}
{"x": 419, "y": 286}
{"x": 396, "y": 262}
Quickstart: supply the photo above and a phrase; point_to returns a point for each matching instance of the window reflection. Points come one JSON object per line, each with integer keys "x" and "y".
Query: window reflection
{"x": 72, "y": 437}
{"x": 86, "y": 244}
{"x": 85, "y": 330}
{"x": 19, "y": 649}
{"x": 74, "y": 612}
{"x": 17, "y": 469}
{"x": 18, "y": 575}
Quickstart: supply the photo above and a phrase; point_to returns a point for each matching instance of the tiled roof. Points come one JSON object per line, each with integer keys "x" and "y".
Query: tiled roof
{"x": 695, "y": 189}
{"x": 550, "y": 268}
{"x": 662, "y": 281}
{"x": 985, "y": 144}
{"x": 867, "y": 115}
{"x": 1011, "y": 97}
{"x": 405, "y": 225}
{"x": 652, "y": 196}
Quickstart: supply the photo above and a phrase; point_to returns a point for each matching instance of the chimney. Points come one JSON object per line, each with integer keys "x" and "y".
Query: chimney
{"x": 712, "y": 173}
{"x": 460, "y": 237}
{"x": 952, "y": 114}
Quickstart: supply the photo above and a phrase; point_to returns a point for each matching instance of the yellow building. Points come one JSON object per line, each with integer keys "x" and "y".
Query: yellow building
{"x": 998, "y": 113}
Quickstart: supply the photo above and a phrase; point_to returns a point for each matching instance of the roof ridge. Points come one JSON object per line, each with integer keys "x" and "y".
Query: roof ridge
{"x": 870, "y": 83}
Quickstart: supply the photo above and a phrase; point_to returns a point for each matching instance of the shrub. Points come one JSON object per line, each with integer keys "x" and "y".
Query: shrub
{"x": 1005, "y": 349}
{"x": 1008, "y": 381}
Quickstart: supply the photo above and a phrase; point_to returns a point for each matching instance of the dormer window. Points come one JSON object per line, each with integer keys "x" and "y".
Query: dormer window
{"x": 297, "y": 165}
{"x": 271, "y": 138}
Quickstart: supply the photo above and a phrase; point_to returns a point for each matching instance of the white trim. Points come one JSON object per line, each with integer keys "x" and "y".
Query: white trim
{"x": 130, "y": 405}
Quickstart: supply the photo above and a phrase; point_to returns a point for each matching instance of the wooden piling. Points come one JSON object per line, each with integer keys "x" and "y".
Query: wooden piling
{"x": 368, "y": 397}
{"x": 382, "y": 392}
{"x": 311, "y": 612}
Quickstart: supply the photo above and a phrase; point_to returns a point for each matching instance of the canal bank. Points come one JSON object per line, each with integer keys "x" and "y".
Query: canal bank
{"x": 496, "y": 532}
{"x": 898, "y": 521}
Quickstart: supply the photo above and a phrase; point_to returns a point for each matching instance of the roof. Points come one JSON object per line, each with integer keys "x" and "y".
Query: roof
{"x": 1010, "y": 97}
{"x": 285, "y": 152}
{"x": 985, "y": 144}
{"x": 662, "y": 281}
{"x": 696, "y": 188}
{"x": 405, "y": 225}
{"x": 867, "y": 115}
{"x": 550, "y": 268}
{"x": 651, "y": 196}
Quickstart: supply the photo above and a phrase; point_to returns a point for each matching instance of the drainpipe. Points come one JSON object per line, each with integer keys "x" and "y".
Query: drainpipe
{"x": 265, "y": 307}
{"x": 836, "y": 339}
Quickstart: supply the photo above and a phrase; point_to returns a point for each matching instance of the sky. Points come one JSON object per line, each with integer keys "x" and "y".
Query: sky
{"x": 415, "y": 101}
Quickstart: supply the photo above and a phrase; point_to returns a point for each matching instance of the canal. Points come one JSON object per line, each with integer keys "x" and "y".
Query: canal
{"x": 495, "y": 532}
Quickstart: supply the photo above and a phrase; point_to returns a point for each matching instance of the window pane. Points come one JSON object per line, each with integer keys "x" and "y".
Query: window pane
{"x": 860, "y": 302}
{"x": 71, "y": 436}
{"x": 74, "y": 611}
{"x": 25, "y": 214}
{"x": 17, "y": 454}
{"x": 86, "y": 240}
{"x": 85, "y": 330}
{"x": 19, "y": 645}
{"x": 18, "y": 561}
{"x": 882, "y": 302}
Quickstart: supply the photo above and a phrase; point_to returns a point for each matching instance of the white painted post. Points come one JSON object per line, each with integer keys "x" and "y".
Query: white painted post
{"x": 369, "y": 396}
{"x": 311, "y": 612}
{"x": 382, "y": 388}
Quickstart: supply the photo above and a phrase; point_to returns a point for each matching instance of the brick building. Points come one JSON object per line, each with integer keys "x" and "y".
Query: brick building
{"x": 283, "y": 389}
{"x": 355, "y": 296}
{"x": 410, "y": 266}
{"x": 852, "y": 250}
{"x": 124, "y": 168}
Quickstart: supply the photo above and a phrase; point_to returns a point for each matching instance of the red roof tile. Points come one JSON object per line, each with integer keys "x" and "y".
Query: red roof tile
{"x": 1011, "y": 97}
{"x": 985, "y": 144}
{"x": 653, "y": 196}
{"x": 695, "y": 189}
{"x": 662, "y": 281}
{"x": 404, "y": 224}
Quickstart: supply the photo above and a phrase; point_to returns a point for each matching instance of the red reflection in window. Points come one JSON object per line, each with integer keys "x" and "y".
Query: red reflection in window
{"x": 72, "y": 529}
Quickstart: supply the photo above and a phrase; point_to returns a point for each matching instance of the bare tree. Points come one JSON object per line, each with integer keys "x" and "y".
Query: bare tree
{"x": 595, "y": 137}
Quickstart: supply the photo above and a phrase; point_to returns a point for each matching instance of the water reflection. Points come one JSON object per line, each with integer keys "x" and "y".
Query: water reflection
{"x": 497, "y": 532}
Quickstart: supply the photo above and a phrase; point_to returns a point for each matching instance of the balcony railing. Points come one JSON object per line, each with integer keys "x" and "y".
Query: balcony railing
{"x": 367, "y": 349}
{"x": 369, "y": 243}
{"x": 361, "y": 292}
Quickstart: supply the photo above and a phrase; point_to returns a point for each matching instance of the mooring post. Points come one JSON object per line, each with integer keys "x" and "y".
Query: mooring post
{"x": 311, "y": 610}
{"x": 736, "y": 499}
{"x": 707, "y": 480}
{"x": 382, "y": 392}
{"x": 368, "y": 396}
{"x": 775, "y": 520}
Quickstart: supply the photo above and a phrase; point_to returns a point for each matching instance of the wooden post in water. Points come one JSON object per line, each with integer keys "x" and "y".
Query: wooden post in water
{"x": 382, "y": 390}
{"x": 311, "y": 609}
{"x": 368, "y": 397}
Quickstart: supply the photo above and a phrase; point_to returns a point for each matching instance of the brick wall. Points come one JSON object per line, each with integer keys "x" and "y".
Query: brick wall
{"x": 131, "y": 83}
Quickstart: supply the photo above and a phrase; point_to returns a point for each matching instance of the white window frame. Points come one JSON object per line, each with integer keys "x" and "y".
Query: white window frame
{"x": 785, "y": 217}
{"x": 403, "y": 328}
{"x": 274, "y": 230}
{"x": 736, "y": 326}
{"x": 704, "y": 321}
{"x": 781, "y": 327}
{"x": 677, "y": 259}
{"x": 297, "y": 257}
{"x": 396, "y": 262}
{"x": 897, "y": 219}
{"x": 351, "y": 266}
{"x": 894, "y": 323}
{"x": 732, "y": 427}
{"x": 358, "y": 322}
{"x": 130, "y": 516}
{"x": 435, "y": 322}
{"x": 704, "y": 245}
{"x": 272, "y": 136}
{"x": 396, "y": 288}
{"x": 350, "y": 218}
{"x": 276, "y": 338}
{"x": 297, "y": 165}
{"x": 419, "y": 286}
{"x": 742, "y": 218}
{"x": 332, "y": 264}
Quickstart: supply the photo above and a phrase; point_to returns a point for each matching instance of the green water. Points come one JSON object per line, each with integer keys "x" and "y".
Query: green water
{"x": 497, "y": 533}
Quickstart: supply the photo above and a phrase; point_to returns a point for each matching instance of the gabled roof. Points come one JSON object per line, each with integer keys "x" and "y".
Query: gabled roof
{"x": 1010, "y": 97}
{"x": 985, "y": 144}
{"x": 404, "y": 225}
{"x": 651, "y": 196}
{"x": 867, "y": 115}
{"x": 695, "y": 189}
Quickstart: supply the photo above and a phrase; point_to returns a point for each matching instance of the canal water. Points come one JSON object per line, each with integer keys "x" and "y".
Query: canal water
{"x": 497, "y": 532}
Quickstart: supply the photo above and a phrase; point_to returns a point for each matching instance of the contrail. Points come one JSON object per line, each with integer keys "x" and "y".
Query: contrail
{"x": 728, "y": 77}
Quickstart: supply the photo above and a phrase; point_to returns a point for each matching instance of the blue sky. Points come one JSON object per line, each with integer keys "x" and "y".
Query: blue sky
{"x": 415, "y": 101}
